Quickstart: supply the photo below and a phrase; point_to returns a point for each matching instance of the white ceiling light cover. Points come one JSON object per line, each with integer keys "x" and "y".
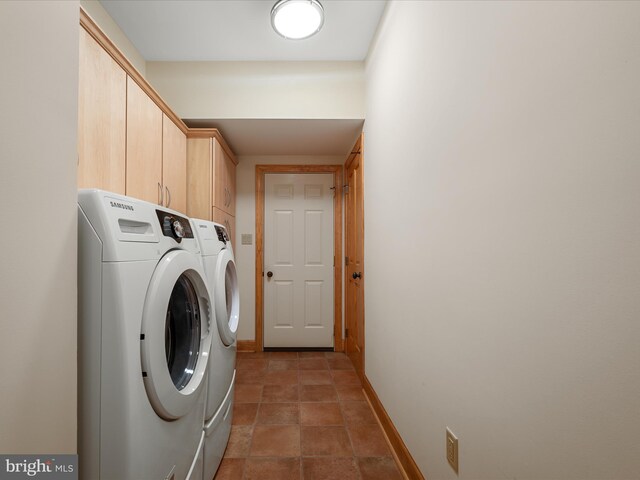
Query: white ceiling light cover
{"x": 297, "y": 19}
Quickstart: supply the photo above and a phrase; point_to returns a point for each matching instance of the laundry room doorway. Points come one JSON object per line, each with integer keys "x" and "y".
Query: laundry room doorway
{"x": 298, "y": 247}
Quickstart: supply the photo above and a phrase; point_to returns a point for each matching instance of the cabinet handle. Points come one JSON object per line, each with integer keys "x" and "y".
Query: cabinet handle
{"x": 160, "y": 196}
{"x": 168, "y": 196}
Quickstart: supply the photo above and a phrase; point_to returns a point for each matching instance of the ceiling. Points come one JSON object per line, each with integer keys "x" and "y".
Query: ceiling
{"x": 240, "y": 30}
{"x": 286, "y": 137}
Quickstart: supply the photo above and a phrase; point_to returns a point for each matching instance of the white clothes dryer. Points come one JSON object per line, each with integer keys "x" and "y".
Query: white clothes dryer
{"x": 219, "y": 266}
{"x": 144, "y": 328}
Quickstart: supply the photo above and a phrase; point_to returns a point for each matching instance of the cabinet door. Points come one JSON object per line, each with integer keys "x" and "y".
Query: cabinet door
{"x": 229, "y": 222}
{"x": 174, "y": 165}
{"x": 224, "y": 180}
{"x": 231, "y": 185}
{"x": 102, "y": 102}
{"x": 144, "y": 146}
{"x": 220, "y": 195}
{"x": 199, "y": 178}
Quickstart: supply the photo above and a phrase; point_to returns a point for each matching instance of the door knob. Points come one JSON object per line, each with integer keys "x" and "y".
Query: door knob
{"x": 269, "y": 274}
{"x": 356, "y": 275}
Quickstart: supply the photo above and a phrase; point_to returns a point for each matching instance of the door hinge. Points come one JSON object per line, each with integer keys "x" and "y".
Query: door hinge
{"x": 346, "y": 333}
{"x": 346, "y": 260}
{"x": 345, "y": 189}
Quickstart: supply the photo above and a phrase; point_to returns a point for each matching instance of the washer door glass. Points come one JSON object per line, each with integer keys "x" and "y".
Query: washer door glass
{"x": 182, "y": 332}
{"x": 175, "y": 338}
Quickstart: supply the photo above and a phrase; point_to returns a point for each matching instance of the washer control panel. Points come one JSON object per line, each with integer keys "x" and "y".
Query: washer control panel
{"x": 174, "y": 226}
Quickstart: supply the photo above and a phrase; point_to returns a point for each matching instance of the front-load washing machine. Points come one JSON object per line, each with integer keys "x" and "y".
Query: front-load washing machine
{"x": 219, "y": 266}
{"x": 145, "y": 318}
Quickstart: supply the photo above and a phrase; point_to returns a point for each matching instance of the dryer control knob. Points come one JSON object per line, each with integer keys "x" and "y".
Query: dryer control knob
{"x": 172, "y": 227}
{"x": 177, "y": 228}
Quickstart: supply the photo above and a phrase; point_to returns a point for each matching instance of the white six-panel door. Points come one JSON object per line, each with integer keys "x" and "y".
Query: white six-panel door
{"x": 298, "y": 251}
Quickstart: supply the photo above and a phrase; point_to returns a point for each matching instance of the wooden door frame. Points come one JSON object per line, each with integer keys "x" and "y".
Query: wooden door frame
{"x": 336, "y": 170}
{"x": 356, "y": 151}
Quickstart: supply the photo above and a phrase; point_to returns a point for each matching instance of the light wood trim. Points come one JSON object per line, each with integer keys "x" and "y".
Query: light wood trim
{"x": 354, "y": 249}
{"x": 298, "y": 168}
{"x": 261, "y": 170}
{"x": 213, "y": 133}
{"x": 357, "y": 147}
{"x": 401, "y": 453}
{"x": 246, "y": 345}
{"x": 338, "y": 341}
{"x": 96, "y": 32}
{"x": 259, "y": 257}
{"x": 355, "y": 150}
{"x": 203, "y": 132}
{"x": 350, "y": 160}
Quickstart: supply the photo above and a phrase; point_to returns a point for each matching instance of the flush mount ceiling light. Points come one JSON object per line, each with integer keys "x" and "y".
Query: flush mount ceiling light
{"x": 297, "y": 19}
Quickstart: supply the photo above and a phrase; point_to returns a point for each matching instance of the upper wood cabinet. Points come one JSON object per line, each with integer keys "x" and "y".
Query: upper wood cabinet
{"x": 211, "y": 182}
{"x": 224, "y": 180}
{"x": 199, "y": 178}
{"x": 130, "y": 142}
{"x": 156, "y": 153}
{"x": 102, "y": 93}
{"x": 144, "y": 146}
{"x": 174, "y": 165}
{"x": 211, "y": 178}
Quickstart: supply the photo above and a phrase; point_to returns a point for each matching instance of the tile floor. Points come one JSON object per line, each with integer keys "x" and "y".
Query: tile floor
{"x": 303, "y": 415}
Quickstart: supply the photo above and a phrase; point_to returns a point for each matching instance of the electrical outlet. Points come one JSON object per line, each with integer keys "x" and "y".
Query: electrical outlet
{"x": 452, "y": 450}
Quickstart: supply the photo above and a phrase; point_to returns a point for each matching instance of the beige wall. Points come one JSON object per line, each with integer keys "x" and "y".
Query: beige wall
{"x": 506, "y": 306}
{"x": 97, "y": 12}
{"x": 39, "y": 51}
{"x": 245, "y": 223}
{"x": 204, "y": 90}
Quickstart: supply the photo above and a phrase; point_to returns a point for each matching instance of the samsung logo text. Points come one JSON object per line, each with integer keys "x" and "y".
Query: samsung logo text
{"x": 121, "y": 205}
